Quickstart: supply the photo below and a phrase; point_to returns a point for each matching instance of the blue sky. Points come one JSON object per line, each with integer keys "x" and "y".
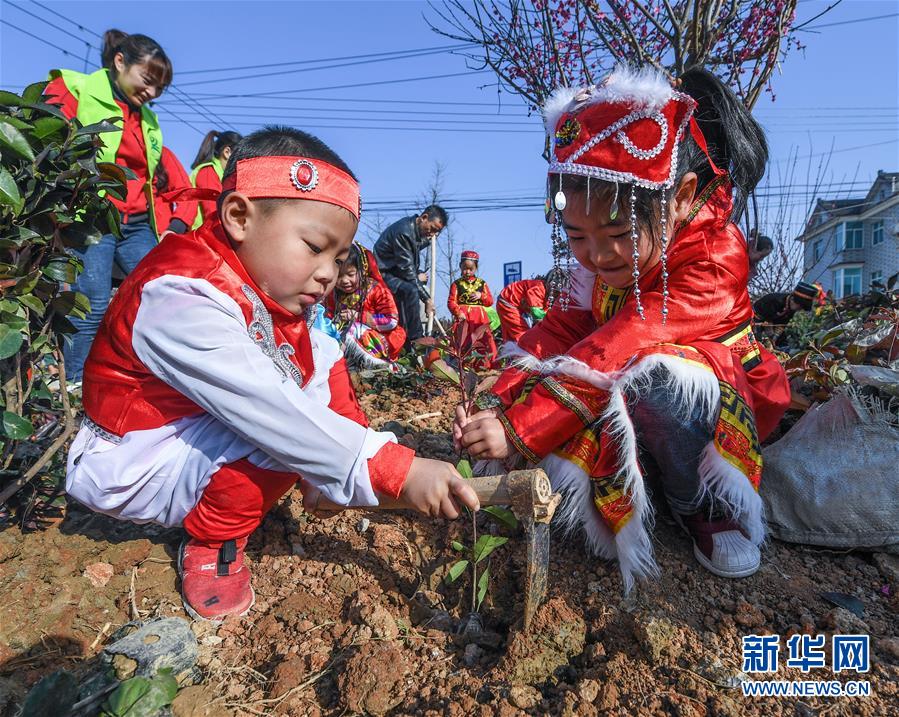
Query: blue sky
{"x": 841, "y": 92}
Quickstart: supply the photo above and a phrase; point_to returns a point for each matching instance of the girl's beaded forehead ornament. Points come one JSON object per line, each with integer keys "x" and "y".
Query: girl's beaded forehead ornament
{"x": 625, "y": 130}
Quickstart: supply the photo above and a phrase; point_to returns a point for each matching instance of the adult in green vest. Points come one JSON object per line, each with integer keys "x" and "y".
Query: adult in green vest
{"x": 208, "y": 168}
{"x": 135, "y": 71}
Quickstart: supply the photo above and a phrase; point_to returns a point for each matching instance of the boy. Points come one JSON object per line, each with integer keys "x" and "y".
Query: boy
{"x": 207, "y": 395}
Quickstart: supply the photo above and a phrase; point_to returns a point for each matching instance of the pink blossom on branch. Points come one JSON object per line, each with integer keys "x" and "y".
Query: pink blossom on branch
{"x": 537, "y": 45}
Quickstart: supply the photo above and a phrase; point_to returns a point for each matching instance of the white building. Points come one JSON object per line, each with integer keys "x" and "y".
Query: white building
{"x": 850, "y": 243}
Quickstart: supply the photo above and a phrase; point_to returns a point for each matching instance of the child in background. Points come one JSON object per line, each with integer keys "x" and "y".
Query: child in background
{"x": 520, "y": 305}
{"x": 468, "y": 296}
{"x": 172, "y": 210}
{"x": 649, "y": 345}
{"x": 206, "y": 394}
{"x": 208, "y": 166}
{"x": 135, "y": 71}
{"x": 365, "y": 314}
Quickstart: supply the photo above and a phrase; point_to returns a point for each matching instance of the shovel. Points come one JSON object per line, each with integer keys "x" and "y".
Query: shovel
{"x": 529, "y": 494}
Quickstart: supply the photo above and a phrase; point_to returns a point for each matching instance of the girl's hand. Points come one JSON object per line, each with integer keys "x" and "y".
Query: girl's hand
{"x": 461, "y": 420}
{"x": 476, "y": 295}
{"x": 483, "y": 436}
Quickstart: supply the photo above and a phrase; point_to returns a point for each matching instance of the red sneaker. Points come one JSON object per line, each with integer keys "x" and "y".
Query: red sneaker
{"x": 215, "y": 582}
{"x": 720, "y": 545}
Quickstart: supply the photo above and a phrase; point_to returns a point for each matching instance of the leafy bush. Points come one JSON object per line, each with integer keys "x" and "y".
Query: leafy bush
{"x": 51, "y": 200}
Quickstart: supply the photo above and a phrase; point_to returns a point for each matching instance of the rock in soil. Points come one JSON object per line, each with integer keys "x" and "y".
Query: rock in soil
{"x": 373, "y": 679}
{"x": 557, "y": 634}
{"x": 659, "y": 638}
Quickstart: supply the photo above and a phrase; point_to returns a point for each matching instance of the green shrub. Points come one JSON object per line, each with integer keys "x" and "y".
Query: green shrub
{"x": 51, "y": 199}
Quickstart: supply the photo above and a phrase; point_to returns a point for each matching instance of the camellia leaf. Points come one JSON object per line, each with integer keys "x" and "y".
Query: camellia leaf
{"x": 10, "y": 341}
{"x": 33, "y": 92}
{"x": 33, "y": 303}
{"x": 16, "y": 427}
{"x": 487, "y": 544}
{"x": 8, "y": 99}
{"x": 483, "y": 582}
{"x": 455, "y": 571}
{"x": 458, "y": 546}
{"x": 13, "y": 140}
{"x": 503, "y": 515}
{"x": 441, "y": 369}
{"x": 9, "y": 192}
{"x": 140, "y": 697}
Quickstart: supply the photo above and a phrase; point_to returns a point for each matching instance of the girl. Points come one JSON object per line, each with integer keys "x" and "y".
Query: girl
{"x": 365, "y": 313}
{"x": 168, "y": 182}
{"x": 468, "y": 296}
{"x": 649, "y": 343}
{"x": 522, "y": 304}
{"x": 208, "y": 166}
{"x": 135, "y": 71}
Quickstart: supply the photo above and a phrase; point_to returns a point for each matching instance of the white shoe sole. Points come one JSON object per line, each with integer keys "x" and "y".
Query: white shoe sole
{"x": 710, "y": 566}
{"x": 193, "y": 613}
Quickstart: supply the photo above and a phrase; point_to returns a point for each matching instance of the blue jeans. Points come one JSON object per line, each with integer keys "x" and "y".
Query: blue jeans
{"x": 95, "y": 282}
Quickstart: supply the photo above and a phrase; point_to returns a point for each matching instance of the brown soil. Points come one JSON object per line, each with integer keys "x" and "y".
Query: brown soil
{"x": 360, "y": 621}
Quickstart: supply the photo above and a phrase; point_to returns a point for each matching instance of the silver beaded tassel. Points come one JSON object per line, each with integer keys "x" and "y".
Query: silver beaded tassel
{"x": 664, "y": 258}
{"x": 560, "y": 283}
{"x": 634, "y": 242}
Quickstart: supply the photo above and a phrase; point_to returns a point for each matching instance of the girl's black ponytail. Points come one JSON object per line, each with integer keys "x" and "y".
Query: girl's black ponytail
{"x": 735, "y": 140}
{"x": 204, "y": 154}
{"x": 214, "y": 143}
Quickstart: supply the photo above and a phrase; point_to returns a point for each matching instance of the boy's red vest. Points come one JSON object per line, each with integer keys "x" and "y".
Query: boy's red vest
{"x": 120, "y": 394}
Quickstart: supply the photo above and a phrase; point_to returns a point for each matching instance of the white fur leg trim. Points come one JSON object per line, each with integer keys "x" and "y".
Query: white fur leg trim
{"x": 565, "y": 365}
{"x": 618, "y": 423}
{"x": 726, "y": 484}
{"x": 687, "y": 386}
{"x": 632, "y": 546}
{"x": 577, "y": 512}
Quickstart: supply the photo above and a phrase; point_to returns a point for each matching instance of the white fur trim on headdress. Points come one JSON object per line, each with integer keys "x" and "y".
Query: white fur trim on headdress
{"x": 646, "y": 87}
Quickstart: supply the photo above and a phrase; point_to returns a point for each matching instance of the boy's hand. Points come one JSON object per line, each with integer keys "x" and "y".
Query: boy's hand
{"x": 433, "y": 487}
{"x": 311, "y": 499}
{"x": 483, "y": 436}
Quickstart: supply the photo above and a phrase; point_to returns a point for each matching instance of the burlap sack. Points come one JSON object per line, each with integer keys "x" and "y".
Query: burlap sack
{"x": 833, "y": 479}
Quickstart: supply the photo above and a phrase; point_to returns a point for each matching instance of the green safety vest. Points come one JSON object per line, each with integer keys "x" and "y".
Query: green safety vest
{"x": 95, "y": 104}
{"x": 219, "y": 170}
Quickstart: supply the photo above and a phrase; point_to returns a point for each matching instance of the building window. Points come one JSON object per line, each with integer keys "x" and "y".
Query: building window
{"x": 818, "y": 248}
{"x": 847, "y": 282}
{"x": 850, "y": 236}
{"x": 877, "y": 233}
{"x": 877, "y": 276}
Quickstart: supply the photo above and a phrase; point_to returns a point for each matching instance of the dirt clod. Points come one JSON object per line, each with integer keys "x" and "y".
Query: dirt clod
{"x": 372, "y": 679}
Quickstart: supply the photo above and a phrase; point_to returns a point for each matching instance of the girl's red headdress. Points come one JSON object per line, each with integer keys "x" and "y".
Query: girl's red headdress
{"x": 626, "y": 130}
{"x": 468, "y": 254}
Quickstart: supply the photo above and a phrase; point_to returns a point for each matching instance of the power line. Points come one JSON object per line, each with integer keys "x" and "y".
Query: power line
{"x": 78, "y": 25}
{"x": 439, "y": 48}
{"x": 312, "y": 69}
{"x": 849, "y": 22}
{"x": 39, "y": 39}
{"x": 342, "y": 87}
{"x": 28, "y": 12}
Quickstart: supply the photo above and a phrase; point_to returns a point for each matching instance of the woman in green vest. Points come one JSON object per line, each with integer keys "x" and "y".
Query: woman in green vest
{"x": 209, "y": 166}
{"x": 135, "y": 71}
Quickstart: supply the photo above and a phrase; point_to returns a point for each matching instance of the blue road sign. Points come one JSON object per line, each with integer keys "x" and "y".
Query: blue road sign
{"x": 511, "y": 272}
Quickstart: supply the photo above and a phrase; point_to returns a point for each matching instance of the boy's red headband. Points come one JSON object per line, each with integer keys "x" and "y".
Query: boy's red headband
{"x": 295, "y": 178}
